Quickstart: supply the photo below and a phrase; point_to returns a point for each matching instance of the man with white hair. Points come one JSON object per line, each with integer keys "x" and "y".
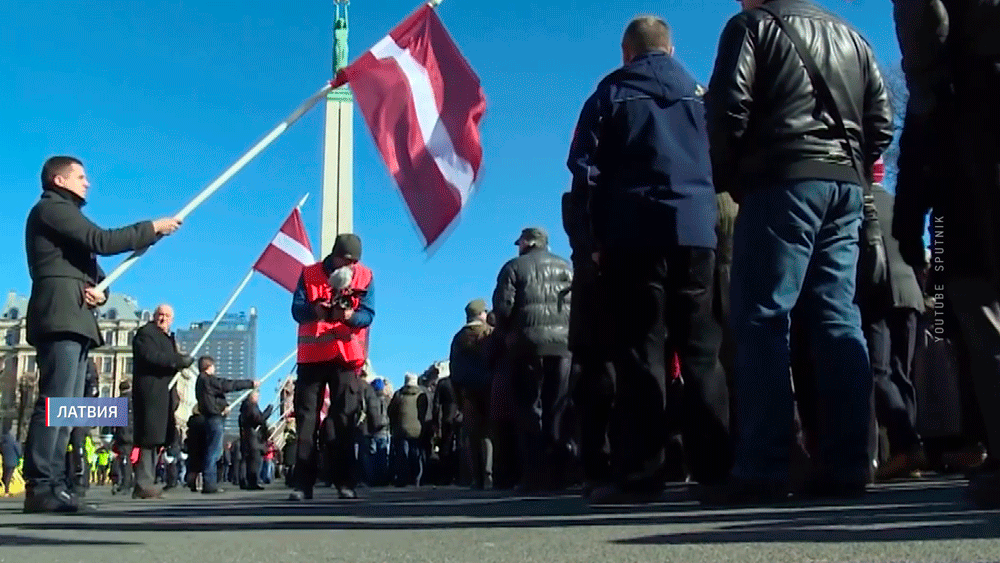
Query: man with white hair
{"x": 334, "y": 306}
{"x": 156, "y": 359}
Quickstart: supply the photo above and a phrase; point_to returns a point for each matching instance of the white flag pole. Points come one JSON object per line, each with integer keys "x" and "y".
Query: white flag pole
{"x": 218, "y": 317}
{"x": 217, "y": 183}
{"x": 269, "y": 374}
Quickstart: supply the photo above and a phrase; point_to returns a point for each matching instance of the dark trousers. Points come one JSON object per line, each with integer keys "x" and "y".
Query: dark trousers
{"x": 475, "y": 419}
{"x": 213, "y": 451}
{"x": 62, "y": 372}
{"x": 145, "y": 469}
{"x": 253, "y": 460}
{"x": 664, "y": 304}
{"x": 892, "y": 341}
{"x": 592, "y": 380}
{"x": 8, "y": 474}
{"x": 408, "y": 461}
{"x": 126, "y": 475}
{"x": 338, "y": 437}
{"x": 541, "y": 391}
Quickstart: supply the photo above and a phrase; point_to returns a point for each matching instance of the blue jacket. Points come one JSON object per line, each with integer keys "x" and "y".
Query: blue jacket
{"x": 10, "y": 450}
{"x": 302, "y": 309}
{"x": 641, "y": 150}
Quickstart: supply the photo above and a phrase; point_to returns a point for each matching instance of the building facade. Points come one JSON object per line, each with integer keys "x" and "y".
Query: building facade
{"x": 233, "y": 345}
{"x": 118, "y": 320}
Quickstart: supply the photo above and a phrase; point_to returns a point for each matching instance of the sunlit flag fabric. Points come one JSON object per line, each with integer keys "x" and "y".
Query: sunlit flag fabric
{"x": 423, "y": 103}
{"x": 287, "y": 254}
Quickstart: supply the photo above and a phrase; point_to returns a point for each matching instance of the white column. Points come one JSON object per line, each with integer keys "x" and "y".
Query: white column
{"x": 338, "y": 169}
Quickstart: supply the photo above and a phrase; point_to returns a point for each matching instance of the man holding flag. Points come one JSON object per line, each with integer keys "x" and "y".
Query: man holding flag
{"x": 334, "y": 307}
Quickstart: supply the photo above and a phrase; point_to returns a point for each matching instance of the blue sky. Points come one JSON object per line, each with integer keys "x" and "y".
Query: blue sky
{"x": 159, "y": 97}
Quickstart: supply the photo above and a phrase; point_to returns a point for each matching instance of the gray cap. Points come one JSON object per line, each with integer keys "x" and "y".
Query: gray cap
{"x": 475, "y": 308}
{"x": 533, "y": 234}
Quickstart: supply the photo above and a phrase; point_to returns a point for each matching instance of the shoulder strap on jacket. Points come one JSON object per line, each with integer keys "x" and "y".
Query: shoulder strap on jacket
{"x": 824, "y": 94}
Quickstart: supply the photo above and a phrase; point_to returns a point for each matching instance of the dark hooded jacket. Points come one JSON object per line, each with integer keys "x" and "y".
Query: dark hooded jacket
{"x": 641, "y": 150}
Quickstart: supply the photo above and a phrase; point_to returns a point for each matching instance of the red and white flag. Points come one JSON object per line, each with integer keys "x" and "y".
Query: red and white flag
{"x": 286, "y": 255}
{"x": 423, "y": 103}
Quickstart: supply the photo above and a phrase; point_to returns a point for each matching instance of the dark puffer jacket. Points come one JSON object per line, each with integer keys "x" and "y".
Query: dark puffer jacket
{"x": 531, "y": 302}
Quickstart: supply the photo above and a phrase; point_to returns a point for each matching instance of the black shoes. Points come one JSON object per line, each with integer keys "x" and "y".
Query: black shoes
{"x": 54, "y": 502}
{"x": 300, "y": 495}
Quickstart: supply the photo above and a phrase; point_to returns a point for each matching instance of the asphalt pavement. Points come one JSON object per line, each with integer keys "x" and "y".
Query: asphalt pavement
{"x": 926, "y": 520}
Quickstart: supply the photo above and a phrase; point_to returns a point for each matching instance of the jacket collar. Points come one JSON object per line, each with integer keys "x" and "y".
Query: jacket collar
{"x": 60, "y": 193}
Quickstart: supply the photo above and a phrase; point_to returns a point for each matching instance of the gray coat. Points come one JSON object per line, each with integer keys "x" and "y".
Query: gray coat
{"x": 903, "y": 286}
{"x": 62, "y": 247}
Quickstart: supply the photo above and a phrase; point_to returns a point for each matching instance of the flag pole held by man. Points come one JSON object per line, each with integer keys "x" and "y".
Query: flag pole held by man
{"x": 62, "y": 248}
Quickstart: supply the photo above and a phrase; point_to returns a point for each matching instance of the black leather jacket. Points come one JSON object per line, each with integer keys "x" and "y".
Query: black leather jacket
{"x": 763, "y": 121}
{"x": 531, "y": 302}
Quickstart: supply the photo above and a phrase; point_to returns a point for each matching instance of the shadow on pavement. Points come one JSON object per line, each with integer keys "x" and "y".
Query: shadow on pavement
{"x": 8, "y": 540}
{"x": 931, "y": 511}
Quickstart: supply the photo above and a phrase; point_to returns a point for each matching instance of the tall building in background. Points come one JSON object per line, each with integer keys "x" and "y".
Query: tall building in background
{"x": 233, "y": 344}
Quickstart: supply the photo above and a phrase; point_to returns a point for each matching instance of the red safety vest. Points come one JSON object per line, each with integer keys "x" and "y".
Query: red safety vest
{"x": 322, "y": 341}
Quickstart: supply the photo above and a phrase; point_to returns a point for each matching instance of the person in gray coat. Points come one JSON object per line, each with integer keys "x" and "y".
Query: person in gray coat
{"x": 62, "y": 247}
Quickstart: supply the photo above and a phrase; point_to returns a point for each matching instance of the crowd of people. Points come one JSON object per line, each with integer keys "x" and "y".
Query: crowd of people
{"x": 744, "y": 305}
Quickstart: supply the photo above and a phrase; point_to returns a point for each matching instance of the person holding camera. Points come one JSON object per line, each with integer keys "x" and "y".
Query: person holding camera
{"x": 334, "y": 307}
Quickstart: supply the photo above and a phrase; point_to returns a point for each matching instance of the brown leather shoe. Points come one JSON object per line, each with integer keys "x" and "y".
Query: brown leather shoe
{"x": 902, "y": 465}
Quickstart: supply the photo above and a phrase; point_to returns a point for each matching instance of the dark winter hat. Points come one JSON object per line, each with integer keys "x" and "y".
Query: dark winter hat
{"x": 475, "y": 308}
{"x": 125, "y": 385}
{"x": 347, "y": 246}
{"x": 533, "y": 234}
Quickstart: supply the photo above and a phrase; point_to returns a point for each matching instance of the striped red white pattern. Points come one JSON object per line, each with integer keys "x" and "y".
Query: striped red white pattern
{"x": 423, "y": 103}
{"x": 287, "y": 254}
{"x": 326, "y": 403}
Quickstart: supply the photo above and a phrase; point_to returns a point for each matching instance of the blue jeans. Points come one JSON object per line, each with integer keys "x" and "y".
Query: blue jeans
{"x": 797, "y": 242}
{"x": 213, "y": 441}
{"x": 62, "y": 372}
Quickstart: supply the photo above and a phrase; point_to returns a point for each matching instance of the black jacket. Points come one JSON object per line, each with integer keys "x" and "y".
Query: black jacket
{"x": 905, "y": 292}
{"x": 929, "y": 29}
{"x": 531, "y": 302}
{"x": 156, "y": 360}
{"x": 763, "y": 122}
{"x": 211, "y": 392}
{"x": 62, "y": 247}
{"x": 251, "y": 419}
{"x": 124, "y": 435}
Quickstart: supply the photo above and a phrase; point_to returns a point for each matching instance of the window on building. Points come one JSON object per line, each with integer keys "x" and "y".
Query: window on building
{"x": 131, "y": 335}
{"x": 106, "y": 391}
{"x": 12, "y": 337}
{"x": 107, "y": 365}
{"x": 128, "y": 366}
{"x": 31, "y": 366}
{"x": 109, "y": 337}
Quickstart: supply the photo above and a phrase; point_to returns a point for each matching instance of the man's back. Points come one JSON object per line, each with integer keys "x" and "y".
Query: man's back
{"x": 532, "y": 300}
{"x": 763, "y": 119}
{"x": 653, "y": 181}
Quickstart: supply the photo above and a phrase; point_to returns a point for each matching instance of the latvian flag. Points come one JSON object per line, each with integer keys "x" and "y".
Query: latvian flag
{"x": 286, "y": 255}
{"x": 423, "y": 103}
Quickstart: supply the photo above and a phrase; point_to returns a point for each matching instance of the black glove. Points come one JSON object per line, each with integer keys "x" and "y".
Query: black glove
{"x": 186, "y": 362}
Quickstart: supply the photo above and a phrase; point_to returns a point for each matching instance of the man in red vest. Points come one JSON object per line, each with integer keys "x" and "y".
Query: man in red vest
{"x": 334, "y": 307}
